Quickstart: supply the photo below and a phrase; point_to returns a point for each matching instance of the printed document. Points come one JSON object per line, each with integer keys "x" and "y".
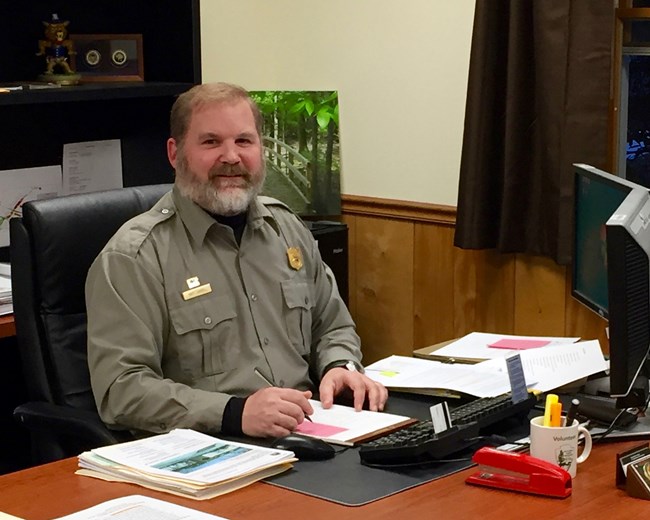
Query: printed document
{"x": 548, "y": 368}
{"x": 92, "y": 166}
{"x": 139, "y": 507}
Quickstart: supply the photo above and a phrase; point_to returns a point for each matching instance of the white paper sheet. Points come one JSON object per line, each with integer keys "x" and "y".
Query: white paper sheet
{"x": 22, "y": 185}
{"x": 92, "y": 166}
{"x": 141, "y": 508}
{"x": 475, "y": 345}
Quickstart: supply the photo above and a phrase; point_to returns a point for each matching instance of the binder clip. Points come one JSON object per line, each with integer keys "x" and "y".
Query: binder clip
{"x": 519, "y": 472}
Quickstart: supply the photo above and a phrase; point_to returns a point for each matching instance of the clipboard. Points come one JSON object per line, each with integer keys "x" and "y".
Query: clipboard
{"x": 430, "y": 353}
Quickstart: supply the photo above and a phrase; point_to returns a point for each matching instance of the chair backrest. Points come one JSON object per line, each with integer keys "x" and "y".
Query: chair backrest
{"x": 52, "y": 248}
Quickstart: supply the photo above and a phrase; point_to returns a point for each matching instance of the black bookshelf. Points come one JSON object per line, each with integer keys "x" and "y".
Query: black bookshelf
{"x": 35, "y": 124}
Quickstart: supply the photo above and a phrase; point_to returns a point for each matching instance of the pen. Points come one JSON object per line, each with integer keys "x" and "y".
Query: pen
{"x": 263, "y": 378}
{"x": 571, "y": 414}
{"x": 550, "y": 399}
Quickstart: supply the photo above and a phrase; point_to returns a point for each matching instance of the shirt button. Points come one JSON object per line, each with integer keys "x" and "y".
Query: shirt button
{"x": 306, "y": 300}
{"x": 163, "y": 426}
{"x": 281, "y": 384}
{"x": 254, "y": 297}
{"x": 207, "y": 320}
{"x": 164, "y": 211}
{"x": 266, "y": 341}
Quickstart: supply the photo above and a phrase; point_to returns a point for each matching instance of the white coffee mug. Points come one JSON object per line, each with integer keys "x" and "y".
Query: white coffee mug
{"x": 559, "y": 444}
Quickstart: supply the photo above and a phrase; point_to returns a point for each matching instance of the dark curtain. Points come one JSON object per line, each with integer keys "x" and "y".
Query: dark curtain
{"x": 537, "y": 101}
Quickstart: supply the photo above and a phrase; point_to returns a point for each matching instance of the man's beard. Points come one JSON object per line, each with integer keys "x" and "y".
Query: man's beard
{"x": 232, "y": 200}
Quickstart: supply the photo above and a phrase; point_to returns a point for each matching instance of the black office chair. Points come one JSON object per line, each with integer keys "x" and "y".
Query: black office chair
{"x": 52, "y": 247}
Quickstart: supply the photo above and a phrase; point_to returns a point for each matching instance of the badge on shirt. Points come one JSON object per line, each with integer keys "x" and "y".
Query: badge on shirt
{"x": 195, "y": 288}
{"x": 295, "y": 258}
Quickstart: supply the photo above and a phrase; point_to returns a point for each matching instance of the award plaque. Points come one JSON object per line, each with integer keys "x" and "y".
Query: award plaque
{"x": 108, "y": 57}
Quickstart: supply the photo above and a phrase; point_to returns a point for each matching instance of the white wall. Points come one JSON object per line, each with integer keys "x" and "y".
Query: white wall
{"x": 400, "y": 67}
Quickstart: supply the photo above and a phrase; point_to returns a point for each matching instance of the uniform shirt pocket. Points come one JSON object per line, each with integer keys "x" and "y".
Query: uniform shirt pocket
{"x": 297, "y": 314}
{"x": 206, "y": 332}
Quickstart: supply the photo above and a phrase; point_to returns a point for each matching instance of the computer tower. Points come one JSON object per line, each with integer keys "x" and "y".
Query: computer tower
{"x": 332, "y": 238}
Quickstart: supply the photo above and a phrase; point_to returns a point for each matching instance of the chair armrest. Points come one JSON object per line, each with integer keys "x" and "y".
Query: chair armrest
{"x": 64, "y": 420}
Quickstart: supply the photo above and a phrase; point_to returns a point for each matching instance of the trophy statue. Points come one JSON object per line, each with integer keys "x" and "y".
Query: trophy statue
{"x": 56, "y": 47}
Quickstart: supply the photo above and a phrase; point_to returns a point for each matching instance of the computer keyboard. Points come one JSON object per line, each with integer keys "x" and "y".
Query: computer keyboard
{"x": 419, "y": 443}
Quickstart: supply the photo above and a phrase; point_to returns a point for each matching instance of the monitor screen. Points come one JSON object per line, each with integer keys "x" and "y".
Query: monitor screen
{"x": 597, "y": 196}
{"x": 611, "y": 272}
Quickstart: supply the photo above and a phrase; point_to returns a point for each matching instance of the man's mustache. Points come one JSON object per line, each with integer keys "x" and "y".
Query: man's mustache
{"x": 229, "y": 170}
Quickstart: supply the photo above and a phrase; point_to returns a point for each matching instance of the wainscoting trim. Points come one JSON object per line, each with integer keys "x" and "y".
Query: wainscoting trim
{"x": 398, "y": 209}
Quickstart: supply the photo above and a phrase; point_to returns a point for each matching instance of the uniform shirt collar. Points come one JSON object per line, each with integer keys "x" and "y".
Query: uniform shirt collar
{"x": 198, "y": 221}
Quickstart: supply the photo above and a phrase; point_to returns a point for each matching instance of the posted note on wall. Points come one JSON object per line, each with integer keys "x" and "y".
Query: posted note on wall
{"x": 92, "y": 166}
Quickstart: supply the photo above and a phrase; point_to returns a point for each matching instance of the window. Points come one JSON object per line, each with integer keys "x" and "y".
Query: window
{"x": 631, "y": 93}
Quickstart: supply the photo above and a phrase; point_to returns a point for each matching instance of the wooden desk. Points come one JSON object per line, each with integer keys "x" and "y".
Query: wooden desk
{"x": 7, "y": 326}
{"x": 53, "y": 490}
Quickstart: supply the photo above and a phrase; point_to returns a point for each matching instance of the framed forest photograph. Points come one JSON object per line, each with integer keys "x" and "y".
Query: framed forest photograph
{"x": 302, "y": 150}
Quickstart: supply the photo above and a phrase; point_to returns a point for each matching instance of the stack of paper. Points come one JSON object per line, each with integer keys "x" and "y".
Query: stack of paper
{"x": 421, "y": 376}
{"x": 545, "y": 368}
{"x": 185, "y": 463}
{"x": 6, "y": 303}
{"x": 480, "y": 346}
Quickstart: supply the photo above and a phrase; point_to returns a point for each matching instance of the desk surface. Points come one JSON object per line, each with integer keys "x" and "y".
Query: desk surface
{"x": 7, "y": 326}
{"x": 54, "y": 490}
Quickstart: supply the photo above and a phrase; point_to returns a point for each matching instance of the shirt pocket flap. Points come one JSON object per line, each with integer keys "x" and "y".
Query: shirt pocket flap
{"x": 203, "y": 314}
{"x": 296, "y": 294}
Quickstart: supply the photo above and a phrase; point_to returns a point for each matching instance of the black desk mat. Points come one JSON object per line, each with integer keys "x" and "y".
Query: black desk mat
{"x": 346, "y": 481}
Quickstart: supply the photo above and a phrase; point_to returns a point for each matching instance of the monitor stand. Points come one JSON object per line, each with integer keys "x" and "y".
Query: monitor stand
{"x": 597, "y": 404}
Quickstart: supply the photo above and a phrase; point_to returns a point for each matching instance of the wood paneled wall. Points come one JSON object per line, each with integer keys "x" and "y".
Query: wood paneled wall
{"x": 410, "y": 287}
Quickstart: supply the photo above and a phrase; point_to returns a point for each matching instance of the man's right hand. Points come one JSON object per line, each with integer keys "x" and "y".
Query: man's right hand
{"x": 275, "y": 412}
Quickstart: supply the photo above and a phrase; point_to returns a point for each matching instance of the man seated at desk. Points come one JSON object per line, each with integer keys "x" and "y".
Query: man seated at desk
{"x": 190, "y": 302}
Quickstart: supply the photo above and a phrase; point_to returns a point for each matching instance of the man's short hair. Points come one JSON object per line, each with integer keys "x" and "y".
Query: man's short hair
{"x": 201, "y": 95}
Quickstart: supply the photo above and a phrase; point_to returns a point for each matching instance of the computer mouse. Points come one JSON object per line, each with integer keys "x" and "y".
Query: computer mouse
{"x": 305, "y": 448}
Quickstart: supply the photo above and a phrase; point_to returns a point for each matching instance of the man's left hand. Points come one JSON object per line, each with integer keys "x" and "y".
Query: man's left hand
{"x": 338, "y": 379}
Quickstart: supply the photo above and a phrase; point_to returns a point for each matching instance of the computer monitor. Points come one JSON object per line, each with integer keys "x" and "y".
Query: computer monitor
{"x": 611, "y": 272}
{"x": 628, "y": 277}
{"x": 597, "y": 195}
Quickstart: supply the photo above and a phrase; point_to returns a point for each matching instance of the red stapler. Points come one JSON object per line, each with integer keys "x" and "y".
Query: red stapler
{"x": 519, "y": 472}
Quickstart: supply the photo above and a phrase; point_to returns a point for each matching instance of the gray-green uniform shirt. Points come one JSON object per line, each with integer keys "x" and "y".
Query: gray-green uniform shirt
{"x": 160, "y": 361}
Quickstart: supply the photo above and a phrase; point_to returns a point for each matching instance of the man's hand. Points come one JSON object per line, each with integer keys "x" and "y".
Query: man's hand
{"x": 275, "y": 412}
{"x": 338, "y": 379}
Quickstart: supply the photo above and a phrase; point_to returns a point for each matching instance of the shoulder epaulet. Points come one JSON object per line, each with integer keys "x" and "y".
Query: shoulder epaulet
{"x": 270, "y": 201}
{"x": 275, "y": 206}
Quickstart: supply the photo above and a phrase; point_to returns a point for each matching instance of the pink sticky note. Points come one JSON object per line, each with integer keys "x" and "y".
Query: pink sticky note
{"x": 320, "y": 430}
{"x": 519, "y": 344}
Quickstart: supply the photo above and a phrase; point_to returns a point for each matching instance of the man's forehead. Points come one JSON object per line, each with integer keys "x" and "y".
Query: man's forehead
{"x": 237, "y": 104}
{"x": 238, "y": 112}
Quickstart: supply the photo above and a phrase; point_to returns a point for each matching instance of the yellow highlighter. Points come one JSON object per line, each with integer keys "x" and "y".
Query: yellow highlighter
{"x": 551, "y": 399}
{"x": 556, "y": 415}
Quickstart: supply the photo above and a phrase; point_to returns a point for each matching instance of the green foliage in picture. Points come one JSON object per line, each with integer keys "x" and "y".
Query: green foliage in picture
{"x": 301, "y": 146}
